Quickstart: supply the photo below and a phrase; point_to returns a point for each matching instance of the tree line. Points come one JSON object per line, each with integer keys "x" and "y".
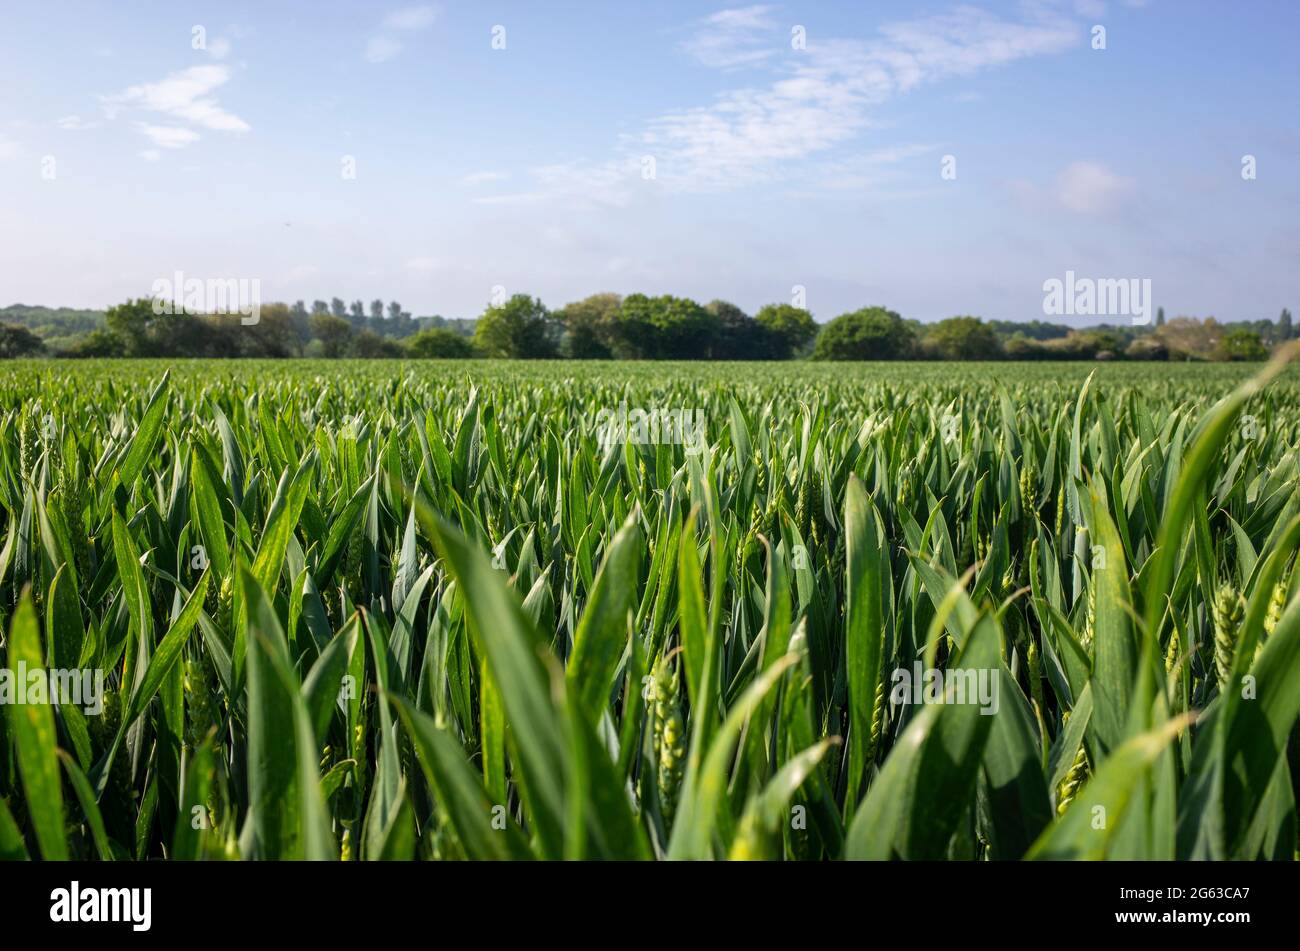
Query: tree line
{"x": 636, "y": 327}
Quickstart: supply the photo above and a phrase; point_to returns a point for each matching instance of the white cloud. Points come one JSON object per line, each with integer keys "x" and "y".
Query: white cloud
{"x": 219, "y": 48}
{"x": 184, "y": 96}
{"x": 76, "y": 123}
{"x": 380, "y": 49}
{"x": 820, "y": 98}
{"x": 384, "y": 46}
{"x": 423, "y": 264}
{"x": 150, "y": 155}
{"x": 8, "y": 148}
{"x": 168, "y": 136}
{"x": 483, "y": 178}
{"x": 895, "y": 154}
{"x": 870, "y": 170}
{"x": 606, "y": 183}
{"x": 411, "y": 18}
{"x": 732, "y": 38}
{"x": 1090, "y": 188}
{"x": 826, "y": 95}
{"x": 519, "y": 198}
{"x": 1082, "y": 187}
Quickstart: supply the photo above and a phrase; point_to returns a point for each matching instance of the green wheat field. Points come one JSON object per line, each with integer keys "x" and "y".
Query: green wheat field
{"x": 478, "y": 610}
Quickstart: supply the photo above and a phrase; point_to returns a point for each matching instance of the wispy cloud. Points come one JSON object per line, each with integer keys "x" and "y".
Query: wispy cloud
{"x": 818, "y": 99}
{"x": 380, "y": 49}
{"x": 1082, "y": 187}
{"x": 607, "y": 183}
{"x": 518, "y": 198}
{"x": 1090, "y": 188}
{"x": 76, "y": 124}
{"x": 868, "y": 170}
{"x": 385, "y": 44}
{"x": 150, "y": 155}
{"x": 733, "y": 38}
{"x": 483, "y": 178}
{"x": 168, "y": 136}
{"x": 411, "y": 18}
{"x": 184, "y": 96}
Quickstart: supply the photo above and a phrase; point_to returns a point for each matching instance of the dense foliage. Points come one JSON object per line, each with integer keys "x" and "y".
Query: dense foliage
{"x": 449, "y": 610}
{"x": 607, "y": 326}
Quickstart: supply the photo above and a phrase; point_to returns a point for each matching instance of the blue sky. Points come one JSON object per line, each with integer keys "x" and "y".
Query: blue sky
{"x": 525, "y": 167}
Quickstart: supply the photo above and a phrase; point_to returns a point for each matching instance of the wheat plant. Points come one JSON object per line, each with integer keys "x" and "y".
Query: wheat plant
{"x": 444, "y": 611}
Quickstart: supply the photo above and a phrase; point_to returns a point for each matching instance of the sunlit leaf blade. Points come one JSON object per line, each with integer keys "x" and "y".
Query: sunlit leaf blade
{"x": 512, "y": 652}
{"x": 1091, "y": 820}
{"x": 602, "y": 630}
{"x": 35, "y": 743}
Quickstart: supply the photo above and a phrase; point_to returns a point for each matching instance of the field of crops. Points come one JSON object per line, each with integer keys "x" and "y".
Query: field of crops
{"x": 591, "y": 610}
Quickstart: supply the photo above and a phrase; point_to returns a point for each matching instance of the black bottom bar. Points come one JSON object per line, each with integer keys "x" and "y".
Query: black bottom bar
{"x": 335, "y": 901}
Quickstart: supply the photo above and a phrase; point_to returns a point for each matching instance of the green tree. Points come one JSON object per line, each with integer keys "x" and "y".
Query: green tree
{"x": 1032, "y": 329}
{"x": 439, "y": 343}
{"x": 1106, "y": 343}
{"x": 588, "y": 324}
{"x": 369, "y": 345}
{"x": 98, "y": 343}
{"x": 962, "y": 338}
{"x": 872, "y": 333}
{"x": 737, "y": 336}
{"x": 399, "y": 321}
{"x": 334, "y": 333}
{"x": 1149, "y": 347}
{"x": 18, "y": 341}
{"x": 789, "y": 329}
{"x": 520, "y": 329}
{"x": 1284, "y": 329}
{"x": 357, "y": 314}
{"x": 301, "y": 321}
{"x": 338, "y": 308}
{"x": 131, "y": 322}
{"x": 273, "y": 336}
{"x": 1160, "y": 316}
{"x": 1187, "y": 338}
{"x": 1024, "y": 347}
{"x": 662, "y": 328}
{"x": 1242, "y": 344}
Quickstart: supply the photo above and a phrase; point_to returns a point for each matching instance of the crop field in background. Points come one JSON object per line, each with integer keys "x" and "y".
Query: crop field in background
{"x": 463, "y": 610}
